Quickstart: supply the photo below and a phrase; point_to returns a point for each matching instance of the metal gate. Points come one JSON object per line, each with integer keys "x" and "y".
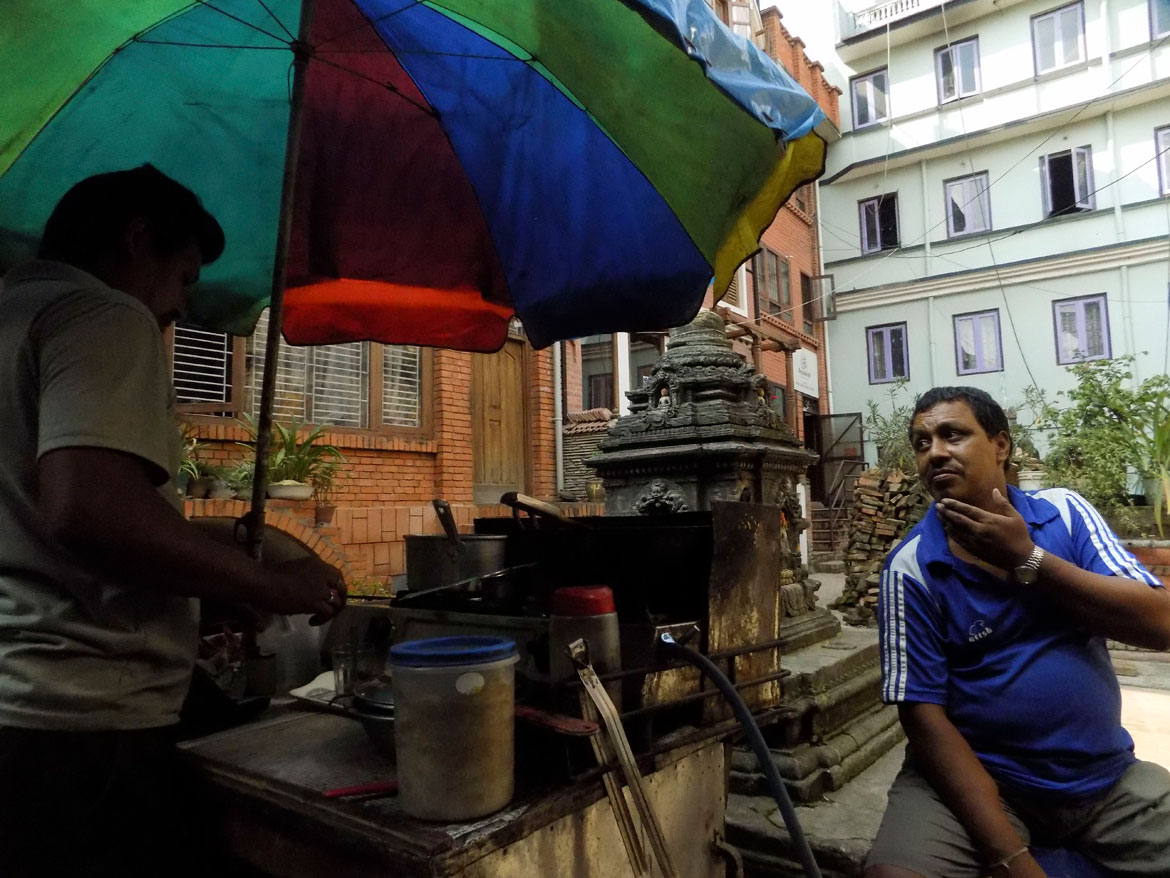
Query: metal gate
{"x": 838, "y": 439}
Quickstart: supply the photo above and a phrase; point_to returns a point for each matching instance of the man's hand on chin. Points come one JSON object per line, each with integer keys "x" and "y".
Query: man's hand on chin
{"x": 997, "y": 536}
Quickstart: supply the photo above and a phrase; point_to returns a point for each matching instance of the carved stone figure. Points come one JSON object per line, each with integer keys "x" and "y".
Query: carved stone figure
{"x": 660, "y": 497}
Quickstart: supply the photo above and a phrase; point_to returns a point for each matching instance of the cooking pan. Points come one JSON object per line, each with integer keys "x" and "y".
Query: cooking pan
{"x": 434, "y": 560}
{"x": 505, "y": 587}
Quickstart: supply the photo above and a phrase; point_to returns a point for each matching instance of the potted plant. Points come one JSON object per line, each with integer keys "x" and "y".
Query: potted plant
{"x": 324, "y": 481}
{"x": 196, "y": 478}
{"x": 293, "y": 461}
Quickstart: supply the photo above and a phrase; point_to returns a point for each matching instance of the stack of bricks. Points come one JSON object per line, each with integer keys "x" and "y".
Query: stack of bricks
{"x": 885, "y": 507}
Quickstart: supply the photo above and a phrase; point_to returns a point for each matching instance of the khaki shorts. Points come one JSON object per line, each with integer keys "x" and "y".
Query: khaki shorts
{"x": 1126, "y": 831}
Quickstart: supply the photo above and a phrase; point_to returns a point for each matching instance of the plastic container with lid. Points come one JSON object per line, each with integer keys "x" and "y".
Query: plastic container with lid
{"x": 454, "y": 699}
{"x": 585, "y": 612}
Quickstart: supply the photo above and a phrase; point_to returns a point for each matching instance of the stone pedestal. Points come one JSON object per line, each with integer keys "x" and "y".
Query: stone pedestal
{"x": 700, "y": 430}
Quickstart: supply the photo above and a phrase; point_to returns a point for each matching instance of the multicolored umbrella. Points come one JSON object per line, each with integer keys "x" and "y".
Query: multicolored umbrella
{"x": 587, "y": 165}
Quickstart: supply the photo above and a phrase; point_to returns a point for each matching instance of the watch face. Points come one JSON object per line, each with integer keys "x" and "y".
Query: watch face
{"x": 1026, "y": 575}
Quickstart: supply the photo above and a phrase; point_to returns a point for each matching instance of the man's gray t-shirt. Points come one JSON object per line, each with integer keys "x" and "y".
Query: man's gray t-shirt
{"x": 82, "y": 365}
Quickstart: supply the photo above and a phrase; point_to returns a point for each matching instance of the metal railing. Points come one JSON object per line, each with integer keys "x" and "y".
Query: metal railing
{"x": 879, "y": 15}
{"x": 840, "y": 496}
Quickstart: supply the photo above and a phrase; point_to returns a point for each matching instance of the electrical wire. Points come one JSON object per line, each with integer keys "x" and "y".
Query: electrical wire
{"x": 1107, "y": 91}
{"x": 987, "y": 192}
{"x": 897, "y": 252}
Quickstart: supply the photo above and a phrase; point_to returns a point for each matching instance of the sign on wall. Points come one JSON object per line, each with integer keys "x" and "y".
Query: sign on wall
{"x": 804, "y": 372}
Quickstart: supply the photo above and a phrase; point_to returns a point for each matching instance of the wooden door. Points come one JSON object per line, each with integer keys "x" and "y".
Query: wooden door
{"x": 498, "y": 423}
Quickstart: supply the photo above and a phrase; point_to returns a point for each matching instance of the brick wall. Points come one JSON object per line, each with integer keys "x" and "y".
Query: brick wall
{"x": 389, "y": 480}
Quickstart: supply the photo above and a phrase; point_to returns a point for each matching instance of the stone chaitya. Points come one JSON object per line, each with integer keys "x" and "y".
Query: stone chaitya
{"x": 699, "y": 430}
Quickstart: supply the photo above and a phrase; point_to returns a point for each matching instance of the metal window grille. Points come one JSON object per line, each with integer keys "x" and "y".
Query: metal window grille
{"x": 201, "y": 365}
{"x": 328, "y": 384}
{"x": 401, "y": 386}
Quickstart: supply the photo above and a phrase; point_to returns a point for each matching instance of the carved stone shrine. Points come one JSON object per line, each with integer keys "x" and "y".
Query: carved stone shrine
{"x": 701, "y": 429}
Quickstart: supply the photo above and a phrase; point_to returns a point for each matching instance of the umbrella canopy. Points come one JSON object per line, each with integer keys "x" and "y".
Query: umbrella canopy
{"x": 586, "y": 165}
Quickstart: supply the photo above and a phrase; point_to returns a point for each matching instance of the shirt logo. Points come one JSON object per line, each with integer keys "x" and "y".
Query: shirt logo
{"x": 978, "y": 630}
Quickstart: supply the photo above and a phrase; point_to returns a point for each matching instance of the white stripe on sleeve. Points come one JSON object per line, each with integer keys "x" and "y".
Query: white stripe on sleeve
{"x": 1115, "y": 556}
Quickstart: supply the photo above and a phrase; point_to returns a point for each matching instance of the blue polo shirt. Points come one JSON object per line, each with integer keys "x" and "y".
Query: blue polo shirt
{"x": 1032, "y": 690}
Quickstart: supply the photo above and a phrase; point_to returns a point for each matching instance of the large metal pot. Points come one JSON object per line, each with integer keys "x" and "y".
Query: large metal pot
{"x": 441, "y": 559}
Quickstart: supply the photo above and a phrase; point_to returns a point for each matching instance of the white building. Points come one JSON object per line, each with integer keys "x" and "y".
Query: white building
{"x": 997, "y": 206}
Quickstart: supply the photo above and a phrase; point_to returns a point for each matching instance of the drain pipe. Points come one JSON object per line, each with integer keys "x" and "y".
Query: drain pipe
{"x": 670, "y": 648}
{"x": 558, "y": 418}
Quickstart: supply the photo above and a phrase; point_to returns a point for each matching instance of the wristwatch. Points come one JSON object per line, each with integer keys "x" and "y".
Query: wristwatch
{"x": 1028, "y": 572}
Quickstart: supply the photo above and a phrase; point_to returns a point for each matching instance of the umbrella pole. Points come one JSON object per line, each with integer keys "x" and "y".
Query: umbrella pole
{"x": 255, "y": 518}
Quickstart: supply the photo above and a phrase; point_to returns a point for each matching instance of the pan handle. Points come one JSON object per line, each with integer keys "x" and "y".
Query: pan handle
{"x": 447, "y": 519}
{"x": 537, "y": 508}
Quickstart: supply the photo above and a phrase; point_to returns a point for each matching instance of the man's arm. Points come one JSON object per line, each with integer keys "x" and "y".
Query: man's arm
{"x": 943, "y": 756}
{"x": 1115, "y": 606}
{"x": 102, "y": 505}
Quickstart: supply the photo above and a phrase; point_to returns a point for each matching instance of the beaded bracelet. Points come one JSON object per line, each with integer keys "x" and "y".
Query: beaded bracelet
{"x": 1006, "y": 862}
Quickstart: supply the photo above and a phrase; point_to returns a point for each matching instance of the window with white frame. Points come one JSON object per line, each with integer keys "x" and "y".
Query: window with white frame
{"x": 326, "y": 384}
{"x": 1082, "y": 329}
{"x": 1162, "y": 147}
{"x": 1058, "y": 37}
{"x": 886, "y": 347}
{"x": 968, "y": 205}
{"x": 201, "y": 368}
{"x": 871, "y": 98}
{"x": 1066, "y": 181}
{"x": 957, "y": 69}
{"x": 401, "y": 383}
{"x": 977, "y": 343}
{"x": 1159, "y": 18}
{"x": 879, "y": 223}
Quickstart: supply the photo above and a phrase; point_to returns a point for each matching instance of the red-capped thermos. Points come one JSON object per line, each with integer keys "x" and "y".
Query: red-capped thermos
{"x": 585, "y": 612}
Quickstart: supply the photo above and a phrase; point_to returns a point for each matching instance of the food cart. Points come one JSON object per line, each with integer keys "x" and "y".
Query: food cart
{"x": 713, "y": 574}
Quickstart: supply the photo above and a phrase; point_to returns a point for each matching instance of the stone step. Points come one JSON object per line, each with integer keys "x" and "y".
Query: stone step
{"x": 840, "y": 829}
{"x": 809, "y": 771}
{"x": 827, "y": 565}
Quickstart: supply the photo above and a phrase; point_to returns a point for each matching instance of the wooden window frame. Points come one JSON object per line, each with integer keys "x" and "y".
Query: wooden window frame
{"x": 781, "y": 306}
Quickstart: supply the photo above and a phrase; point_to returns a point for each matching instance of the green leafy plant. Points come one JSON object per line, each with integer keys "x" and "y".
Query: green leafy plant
{"x": 887, "y": 429}
{"x": 296, "y": 458}
{"x": 189, "y": 462}
{"x": 1102, "y": 429}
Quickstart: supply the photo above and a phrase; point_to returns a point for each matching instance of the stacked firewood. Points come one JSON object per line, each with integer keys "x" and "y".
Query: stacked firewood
{"x": 885, "y": 507}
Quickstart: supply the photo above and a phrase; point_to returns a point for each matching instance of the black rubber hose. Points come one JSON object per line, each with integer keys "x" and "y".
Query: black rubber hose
{"x": 670, "y": 648}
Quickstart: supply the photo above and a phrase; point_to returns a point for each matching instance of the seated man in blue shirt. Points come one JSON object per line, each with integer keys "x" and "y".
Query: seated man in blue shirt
{"x": 994, "y": 613}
